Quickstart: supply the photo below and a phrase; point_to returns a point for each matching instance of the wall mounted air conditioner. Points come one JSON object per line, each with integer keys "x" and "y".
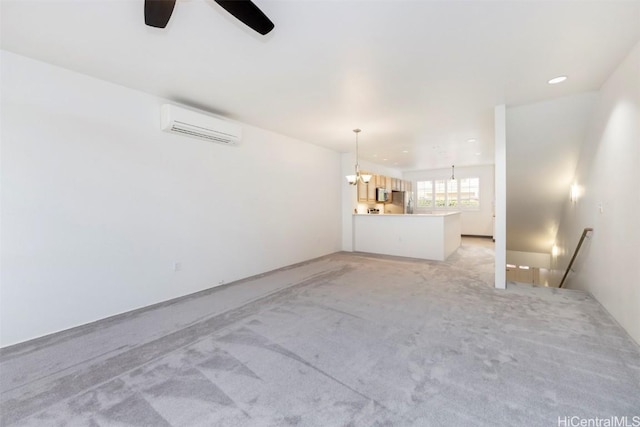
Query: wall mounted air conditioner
{"x": 198, "y": 125}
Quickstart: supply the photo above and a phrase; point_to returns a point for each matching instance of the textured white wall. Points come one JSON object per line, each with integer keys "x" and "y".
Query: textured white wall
{"x": 608, "y": 174}
{"x": 478, "y": 222}
{"x": 98, "y": 204}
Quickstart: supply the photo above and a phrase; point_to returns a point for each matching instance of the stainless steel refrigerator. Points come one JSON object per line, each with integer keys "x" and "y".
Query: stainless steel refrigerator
{"x": 398, "y": 203}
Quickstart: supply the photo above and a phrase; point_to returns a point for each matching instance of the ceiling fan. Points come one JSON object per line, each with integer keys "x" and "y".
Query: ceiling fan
{"x": 158, "y": 12}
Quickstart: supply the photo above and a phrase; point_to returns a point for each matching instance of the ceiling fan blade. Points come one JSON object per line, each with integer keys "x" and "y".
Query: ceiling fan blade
{"x": 248, "y": 13}
{"x": 158, "y": 12}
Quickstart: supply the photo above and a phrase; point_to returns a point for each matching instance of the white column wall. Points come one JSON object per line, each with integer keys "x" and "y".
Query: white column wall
{"x": 100, "y": 208}
{"x": 500, "y": 233}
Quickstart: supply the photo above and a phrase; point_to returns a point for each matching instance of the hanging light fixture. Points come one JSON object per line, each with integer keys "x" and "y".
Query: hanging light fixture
{"x": 453, "y": 169}
{"x": 353, "y": 179}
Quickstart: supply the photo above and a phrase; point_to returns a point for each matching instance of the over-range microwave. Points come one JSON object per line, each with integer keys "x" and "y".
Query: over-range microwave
{"x": 382, "y": 195}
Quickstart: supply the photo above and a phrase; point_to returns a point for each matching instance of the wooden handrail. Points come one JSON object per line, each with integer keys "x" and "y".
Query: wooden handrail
{"x": 575, "y": 254}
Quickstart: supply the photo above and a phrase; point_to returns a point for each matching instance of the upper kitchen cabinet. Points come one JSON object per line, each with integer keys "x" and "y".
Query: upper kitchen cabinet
{"x": 387, "y": 182}
{"x": 408, "y": 186}
{"x": 362, "y": 192}
{"x": 395, "y": 184}
{"x": 371, "y": 190}
{"x": 367, "y": 192}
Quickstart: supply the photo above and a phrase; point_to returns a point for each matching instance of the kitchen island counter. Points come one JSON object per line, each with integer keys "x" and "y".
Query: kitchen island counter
{"x": 427, "y": 236}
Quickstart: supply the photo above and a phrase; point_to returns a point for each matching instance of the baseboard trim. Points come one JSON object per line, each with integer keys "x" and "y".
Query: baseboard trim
{"x": 114, "y": 318}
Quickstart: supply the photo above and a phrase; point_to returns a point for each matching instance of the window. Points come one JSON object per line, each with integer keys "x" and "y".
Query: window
{"x": 452, "y": 193}
{"x": 425, "y": 194}
{"x": 449, "y": 194}
{"x": 470, "y": 192}
{"x": 441, "y": 193}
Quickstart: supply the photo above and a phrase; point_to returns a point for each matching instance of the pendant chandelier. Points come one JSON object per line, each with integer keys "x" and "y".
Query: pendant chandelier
{"x": 353, "y": 179}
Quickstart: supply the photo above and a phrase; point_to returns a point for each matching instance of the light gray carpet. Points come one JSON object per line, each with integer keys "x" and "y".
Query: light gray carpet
{"x": 349, "y": 339}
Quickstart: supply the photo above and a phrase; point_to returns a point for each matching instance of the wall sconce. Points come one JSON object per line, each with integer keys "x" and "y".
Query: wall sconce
{"x": 554, "y": 251}
{"x": 573, "y": 195}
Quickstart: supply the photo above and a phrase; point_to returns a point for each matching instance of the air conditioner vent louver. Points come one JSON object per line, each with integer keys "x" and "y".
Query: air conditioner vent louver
{"x": 197, "y": 125}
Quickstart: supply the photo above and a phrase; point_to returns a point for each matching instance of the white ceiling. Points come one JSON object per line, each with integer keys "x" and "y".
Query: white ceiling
{"x": 421, "y": 78}
{"x": 416, "y": 76}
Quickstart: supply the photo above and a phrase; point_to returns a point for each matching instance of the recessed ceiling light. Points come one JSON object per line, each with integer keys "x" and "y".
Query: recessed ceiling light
{"x": 405, "y": 151}
{"x": 471, "y": 140}
{"x": 385, "y": 159}
{"x": 477, "y": 154}
{"x": 557, "y": 80}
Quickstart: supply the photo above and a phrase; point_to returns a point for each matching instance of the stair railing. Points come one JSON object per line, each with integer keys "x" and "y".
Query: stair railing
{"x": 575, "y": 254}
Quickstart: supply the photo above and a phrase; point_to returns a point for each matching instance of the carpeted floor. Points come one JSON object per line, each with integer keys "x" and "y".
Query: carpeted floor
{"x": 348, "y": 339}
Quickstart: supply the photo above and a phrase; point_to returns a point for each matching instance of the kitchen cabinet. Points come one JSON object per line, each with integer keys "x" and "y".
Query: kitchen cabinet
{"x": 407, "y": 186}
{"x": 362, "y": 192}
{"x": 395, "y": 184}
{"x": 387, "y": 182}
{"x": 367, "y": 192}
{"x": 371, "y": 190}
{"x": 434, "y": 236}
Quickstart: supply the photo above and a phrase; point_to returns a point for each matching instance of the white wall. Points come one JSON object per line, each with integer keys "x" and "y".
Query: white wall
{"x": 350, "y": 193}
{"x": 544, "y": 143}
{"x": 608, "y": 173}
{"x": 500, "y": 188}
{"x": 98, "y": 204}
{"x": 479, "y": 222}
